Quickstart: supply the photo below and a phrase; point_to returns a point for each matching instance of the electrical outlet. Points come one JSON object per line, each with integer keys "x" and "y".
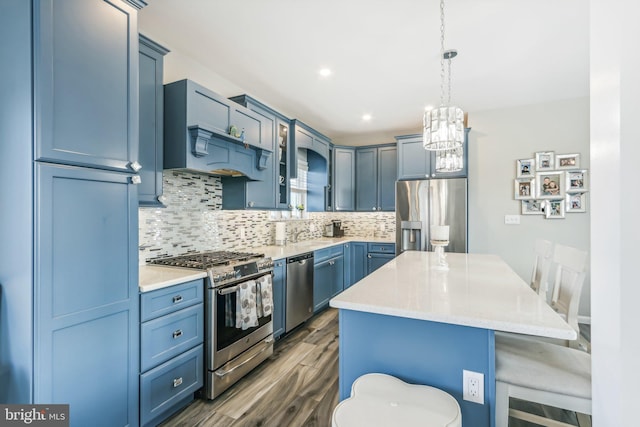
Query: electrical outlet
{"x": 473, "y": 386}
{"x": 512, "y": 219}
{"x": 242, "y": 232}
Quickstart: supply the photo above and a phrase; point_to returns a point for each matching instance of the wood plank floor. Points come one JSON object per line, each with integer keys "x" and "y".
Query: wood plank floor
{"x": 298, "y": 386}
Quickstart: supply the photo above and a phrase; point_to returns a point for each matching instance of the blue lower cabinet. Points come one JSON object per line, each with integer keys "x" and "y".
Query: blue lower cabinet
{"x": 375, "y": 261}
{"x": 170, "y": 386}
{"x": 378, "y": 254}
{"x": 279, "y": 295}
{"x": 328, "y": 276}
{"x": 358, "y": 262}
{"x": 172, "y": 355}
{"x": 347, "y": 265}
{"x": 170, "y": 335}
{"x": 85, "y": 294}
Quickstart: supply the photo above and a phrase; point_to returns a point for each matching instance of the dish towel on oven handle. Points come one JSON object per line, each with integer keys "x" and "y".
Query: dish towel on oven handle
{"x": 265, "y": 298}
{"x": 246, "y": 305}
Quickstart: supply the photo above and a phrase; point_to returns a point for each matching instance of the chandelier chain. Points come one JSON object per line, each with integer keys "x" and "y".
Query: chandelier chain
{"x": 449, "y": 81}
{"x": 442, "y": 74}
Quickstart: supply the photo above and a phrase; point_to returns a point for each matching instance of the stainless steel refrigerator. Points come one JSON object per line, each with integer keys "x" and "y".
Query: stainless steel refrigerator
{"x": 423, "y": 203}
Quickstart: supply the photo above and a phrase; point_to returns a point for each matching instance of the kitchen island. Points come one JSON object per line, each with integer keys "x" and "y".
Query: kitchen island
{"x": 425, "y": 326}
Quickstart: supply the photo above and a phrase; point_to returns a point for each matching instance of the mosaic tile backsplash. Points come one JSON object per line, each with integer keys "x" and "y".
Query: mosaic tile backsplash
{"x": 194, "y": 221}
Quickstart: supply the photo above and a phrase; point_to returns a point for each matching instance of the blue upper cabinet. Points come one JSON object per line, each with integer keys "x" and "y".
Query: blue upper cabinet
{"x": 375, "y": 178}
{"x": 86, "y": 104}
{"x": 344, "y": 179}
{"x": 307, "y": 138}
{"x": 387, "y": 175}
{"x": 272, "y": 192}
{"x": 150, "y": 121}
{"x": 414, "y": 162}
{"x": 367, "y": 179}
{"x": 207, "y": 133}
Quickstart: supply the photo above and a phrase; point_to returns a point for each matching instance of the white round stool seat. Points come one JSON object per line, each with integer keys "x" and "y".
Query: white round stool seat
{"x": 383, "y": 400}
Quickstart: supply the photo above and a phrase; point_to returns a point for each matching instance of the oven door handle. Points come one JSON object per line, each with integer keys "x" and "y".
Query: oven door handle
{"x": 221, "y": 372}
{"x": 227, "y": 291}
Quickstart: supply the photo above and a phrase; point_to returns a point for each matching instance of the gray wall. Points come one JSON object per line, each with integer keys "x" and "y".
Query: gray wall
{"x": 497, "y": 139}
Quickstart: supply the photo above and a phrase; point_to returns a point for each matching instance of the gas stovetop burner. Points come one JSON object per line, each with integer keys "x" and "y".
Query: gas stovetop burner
{"x": 206, "y": 260}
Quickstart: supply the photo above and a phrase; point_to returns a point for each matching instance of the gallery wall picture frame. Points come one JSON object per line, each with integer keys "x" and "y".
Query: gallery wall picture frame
{"x": 545, "y": 160}
{"x": 524, "y": 188}
{"x": 577, "y": 181}
{"x": 554, "y": 209}
{"x": 576, "y": 202}
{"x": 567, "y": 161}
{"x": 550, "y": 185}
{"x": 532, "y": 207}
{"x": 525, "y": 168}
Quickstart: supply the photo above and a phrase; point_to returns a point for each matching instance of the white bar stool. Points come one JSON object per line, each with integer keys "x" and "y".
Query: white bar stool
{"x": 382, "y": 400}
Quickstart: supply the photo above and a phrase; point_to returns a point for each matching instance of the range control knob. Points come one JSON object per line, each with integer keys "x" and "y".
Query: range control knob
{"x": 216, "y": 278}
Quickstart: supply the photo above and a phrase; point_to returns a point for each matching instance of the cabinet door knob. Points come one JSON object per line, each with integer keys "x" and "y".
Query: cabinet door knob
{"x": 369, "y": 256}
{"x": 135, "y": 166}
{"x": 135, "y": 179}
{"x": 251, "y": 204}
{"x": 374, "y": 208}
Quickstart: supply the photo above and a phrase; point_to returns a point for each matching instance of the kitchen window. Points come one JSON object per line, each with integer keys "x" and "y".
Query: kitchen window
{"x": 299, "y": 189}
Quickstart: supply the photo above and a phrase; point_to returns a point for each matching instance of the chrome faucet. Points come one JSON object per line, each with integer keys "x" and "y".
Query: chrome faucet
{"x": 296, "y": 235}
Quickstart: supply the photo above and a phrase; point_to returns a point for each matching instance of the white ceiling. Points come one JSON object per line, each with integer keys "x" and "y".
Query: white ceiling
{"x": 384, "y": 55}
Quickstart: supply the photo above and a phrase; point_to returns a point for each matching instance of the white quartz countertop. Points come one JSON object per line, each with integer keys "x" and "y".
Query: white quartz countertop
{"x": 293, "y": 249}
{"x": 153, "y": 277}
{"x": 478, "y": 290}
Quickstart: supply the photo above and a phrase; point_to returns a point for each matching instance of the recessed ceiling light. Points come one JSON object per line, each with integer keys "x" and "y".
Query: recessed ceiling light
{"x": 325, "y": 72}
{"x": 366, "y": 117}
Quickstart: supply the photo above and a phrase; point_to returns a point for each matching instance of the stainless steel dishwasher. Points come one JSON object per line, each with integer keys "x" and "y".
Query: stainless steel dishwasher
{"x": 299, "y": 290}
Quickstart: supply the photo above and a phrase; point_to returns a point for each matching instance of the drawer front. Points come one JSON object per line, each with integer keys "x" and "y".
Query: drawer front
{"x": 385, "y": 248}
{"x": 161, "y": 388}
{"x": 165, "y": 337}
{"x": 164, "y": 301}
{"x": 324, "y": 254}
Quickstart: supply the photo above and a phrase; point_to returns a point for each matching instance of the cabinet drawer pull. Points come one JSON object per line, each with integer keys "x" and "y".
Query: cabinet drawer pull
{"x": 177, "y": 299}
{"x": 332, "y": 262}
{"x": 177, "y": 334}
{"x": 177, "y": 382}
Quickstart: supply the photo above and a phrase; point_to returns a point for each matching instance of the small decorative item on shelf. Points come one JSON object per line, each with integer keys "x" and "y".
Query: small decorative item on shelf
{"x": 233, "y": 131}
{"x": 440, "y": 239}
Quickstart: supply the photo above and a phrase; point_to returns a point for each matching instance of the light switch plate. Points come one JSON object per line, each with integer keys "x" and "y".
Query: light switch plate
{"x": 512, "y": 219}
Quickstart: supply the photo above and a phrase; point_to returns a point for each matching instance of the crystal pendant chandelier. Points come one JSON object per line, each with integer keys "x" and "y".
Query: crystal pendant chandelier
{"x": 444, "y": 126}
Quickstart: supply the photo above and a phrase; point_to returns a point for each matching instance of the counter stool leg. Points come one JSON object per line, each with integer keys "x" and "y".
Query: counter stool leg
{"x": 584, "y": 420}
{"x": 502, "y": 404}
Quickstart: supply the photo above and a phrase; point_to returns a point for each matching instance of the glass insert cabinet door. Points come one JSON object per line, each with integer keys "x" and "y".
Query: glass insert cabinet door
{"x": 283, "y": 165}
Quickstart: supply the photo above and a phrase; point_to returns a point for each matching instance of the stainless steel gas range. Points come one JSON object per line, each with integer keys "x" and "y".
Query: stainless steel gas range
{"x": 232, "y": 350}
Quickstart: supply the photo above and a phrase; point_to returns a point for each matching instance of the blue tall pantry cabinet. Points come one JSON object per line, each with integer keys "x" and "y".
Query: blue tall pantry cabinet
{"x": 68, "y": 255}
